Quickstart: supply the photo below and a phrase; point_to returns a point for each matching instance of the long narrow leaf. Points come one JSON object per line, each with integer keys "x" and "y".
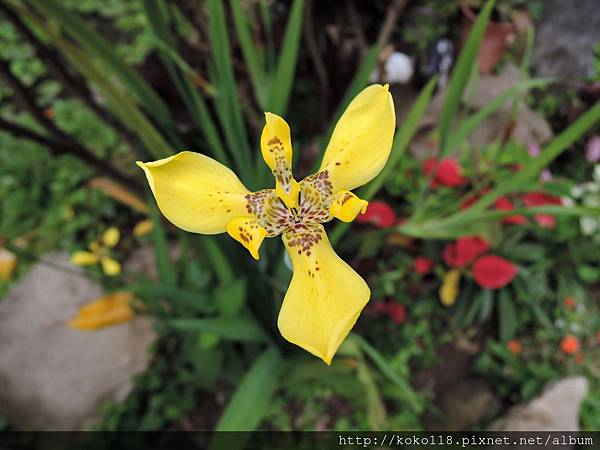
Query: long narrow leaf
{"x": 155, "y": 14}
{"x": 469, "y": 125}
{"x": 251, "y": 54}
{"x": 461, "y": 72}
{"x": 251, "y": 400}
{"x": 240, "y": 328}
{"x": 279, "y": 92}
{"x": 227, "y": 102}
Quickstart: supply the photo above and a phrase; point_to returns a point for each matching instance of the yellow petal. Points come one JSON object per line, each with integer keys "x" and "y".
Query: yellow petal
{"x": 110, "y": 266}
{"x": 143, "y": 228}
{"x": 248, "y": 232}
{"x": 104, "y": 311}
{"x": 81, "y": 258}
{"x": 450, "y": 287}
{"x": 325, "y": 296}
{"x": 8, "y": 262}
{"x": 195, "y": 192}
{"x": 111, "y": 237}
{"x": 346, "y": 206}
{"x": 276, "y": 147}
{"x": 361, "y": 142}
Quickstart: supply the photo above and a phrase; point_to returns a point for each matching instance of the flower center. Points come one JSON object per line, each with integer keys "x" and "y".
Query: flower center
{"x": 274, "y": 216}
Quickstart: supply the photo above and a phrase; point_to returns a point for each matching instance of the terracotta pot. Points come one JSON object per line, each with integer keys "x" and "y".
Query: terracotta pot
{"x": 495, "y": 40}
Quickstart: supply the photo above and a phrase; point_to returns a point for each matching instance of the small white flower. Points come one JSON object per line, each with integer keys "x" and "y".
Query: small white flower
{"x": 589, "y": 225}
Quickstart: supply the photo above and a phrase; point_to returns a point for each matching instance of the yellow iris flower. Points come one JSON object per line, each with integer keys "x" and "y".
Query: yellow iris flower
{"x": 99, "y": 253}
{"x": 325, "y": 296}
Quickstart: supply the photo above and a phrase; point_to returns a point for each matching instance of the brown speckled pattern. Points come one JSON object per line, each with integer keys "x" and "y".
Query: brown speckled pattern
{"x": 281, "y": 170}
{"x": 299, "y": 225}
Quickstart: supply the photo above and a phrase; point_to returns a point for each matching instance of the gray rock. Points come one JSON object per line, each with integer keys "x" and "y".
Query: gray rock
{"x": 556, "y": 409}
{"x": 51, "y": 376}
{"x": 565, "y": 38}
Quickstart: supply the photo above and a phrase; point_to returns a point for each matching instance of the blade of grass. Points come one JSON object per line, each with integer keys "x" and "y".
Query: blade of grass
{"x": 460, "y": 74}
{"x": 156, "y": 14}
{"x": 469, "y": 125}
{"x": 239, "y": 328}
{"x": 251, "y": 54}
{"x": 562, "y": 142}
{"x": 281, "y": 86}
{"x": 463, "y": 224}
{"x": 388, "y": 371}
{"x": 227, "y": 102}
{"x": 164, "y": 265}
{"x": 251, "y": 399}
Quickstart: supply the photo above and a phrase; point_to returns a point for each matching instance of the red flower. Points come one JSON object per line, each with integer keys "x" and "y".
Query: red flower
{"x": 379, "y": 307}
{"x": 514, "y": 346}
{"x": 423, "y": 265}
{"x": 464, "y": 251}
{"x": 533, "y": 199}
{"x": 446, "y": 172}
{"x": 397, "y": 312}
{"x": 493, "y": 272}
{"x": 379, "y": 214}
{"x": 570, "y": 344}
{"x": 570, "y": 302}
{"x": 504, "y": 204}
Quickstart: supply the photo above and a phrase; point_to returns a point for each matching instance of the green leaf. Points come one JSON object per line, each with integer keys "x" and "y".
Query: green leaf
{"x": 388, "y": 371}
{"x": 507, "y": 316}
{"x": 251, "y": 54}
{"x": 460, "y": 74}
{"x": 471, "y": 123}
{"x": 155, "y": 11}
{"x": 562, "y": 142}
{"x": 238, "y": 328}
{"x": 227, "y": 103}
{"x": 164, "y": 265}
{"x": 251, "y": 399}
{"x": 281, "y": 87}
{"x": 231, "y": 298}
{"x": 186, "y": 297}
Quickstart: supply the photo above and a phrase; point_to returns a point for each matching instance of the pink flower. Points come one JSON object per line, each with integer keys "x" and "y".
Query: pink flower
{"x": 493, "y": 272}
{"x": 379, "y": 214}
{"x": 446, "y": 172}
{"x": 592, "y": 149}
{"x": 423, "y": 265}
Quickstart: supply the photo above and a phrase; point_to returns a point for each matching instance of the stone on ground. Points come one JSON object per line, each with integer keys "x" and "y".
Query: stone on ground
{"x": 556, "y": 409}
{"x": 51, "y": 376}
